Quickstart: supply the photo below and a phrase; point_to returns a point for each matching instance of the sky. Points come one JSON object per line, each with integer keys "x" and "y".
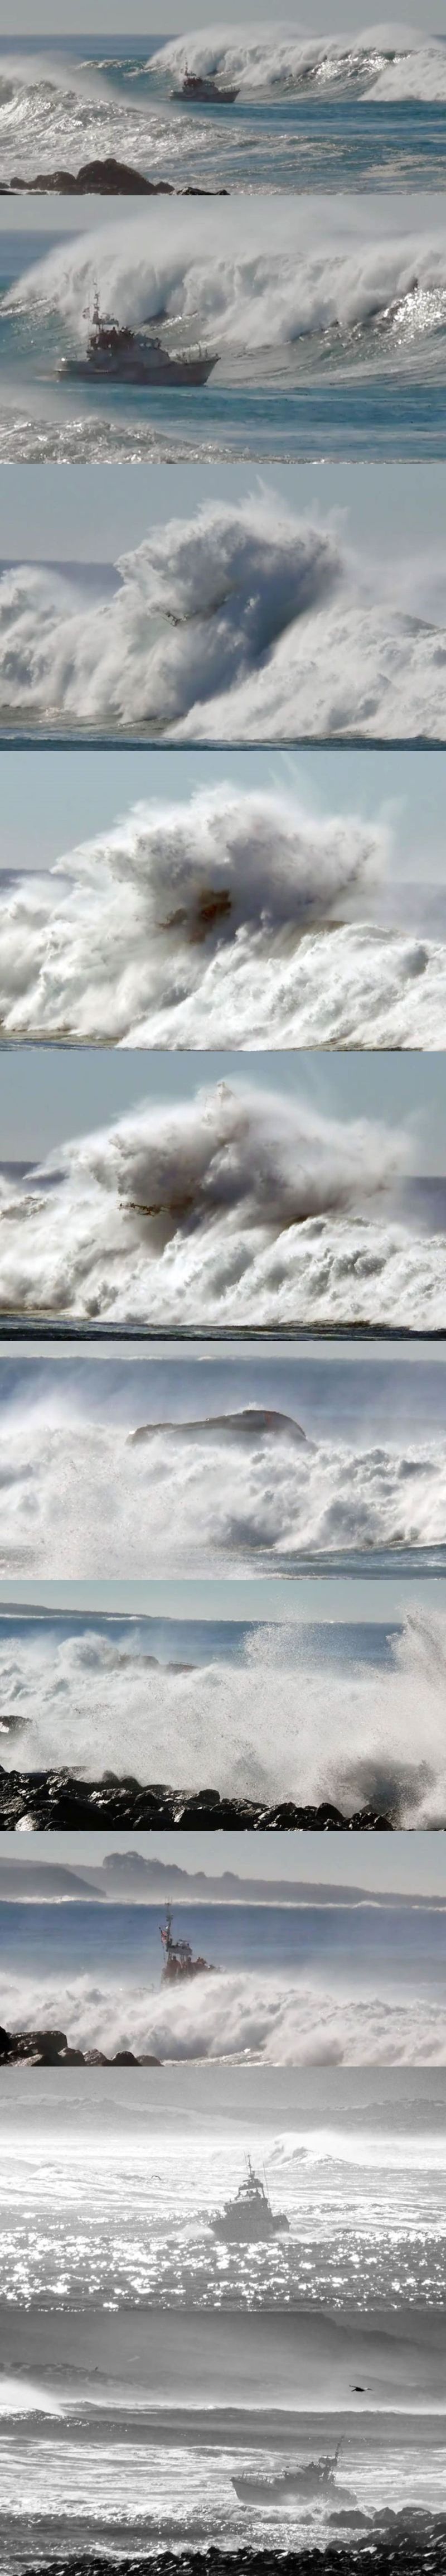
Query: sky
{"x": 106, "y": 17}
{"x": 405, "y": 1863}
{"x": 96, "y": 1084}
{"x": 52, "y": 800}
{"x": 392, "y": 517}
{"x": 333, "y": 1598}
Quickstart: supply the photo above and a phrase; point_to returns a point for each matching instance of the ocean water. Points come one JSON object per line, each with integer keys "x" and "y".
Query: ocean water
{"x": 109, "y": 2184}
{"x": 296, "y": 124}
{"x": 119, "y": 1940}
{"x": 118, "y": 2493}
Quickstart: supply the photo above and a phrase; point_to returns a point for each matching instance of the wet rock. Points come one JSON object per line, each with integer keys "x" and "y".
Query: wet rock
{"x": 42, "y": 1799}
{"x": 418, "y": 2545}
{"x": 50, "y": 2048}
{"x": 107, "y": 178}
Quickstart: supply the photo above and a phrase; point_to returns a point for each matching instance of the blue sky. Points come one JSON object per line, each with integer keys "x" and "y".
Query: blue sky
{"x": 53, "y": 799}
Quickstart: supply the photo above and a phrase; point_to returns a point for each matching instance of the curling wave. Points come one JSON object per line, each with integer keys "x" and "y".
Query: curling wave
{"x": 380, "y": 63}
{"x": 374, "y": 293}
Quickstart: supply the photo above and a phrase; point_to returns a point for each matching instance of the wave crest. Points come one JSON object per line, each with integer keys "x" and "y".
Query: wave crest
{"x": 260, "y": 2019}
{"x": 239, "y": 1205}
{"x": 352, "y": 1737}
{"x": 173, "y": 894}
{"x": 382, "y": 62}
{"x": 84, "y": 1498}
{"x": 264, "y": 300}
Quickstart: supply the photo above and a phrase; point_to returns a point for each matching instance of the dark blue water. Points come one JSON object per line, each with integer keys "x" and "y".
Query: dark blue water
{"x": 402, "y": 1947}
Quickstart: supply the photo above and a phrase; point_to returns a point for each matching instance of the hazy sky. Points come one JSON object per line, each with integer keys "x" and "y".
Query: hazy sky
{"x": 97, "y": 1084}
{"x": 400, "y": 1391}
{"x": 407, "y": 1862}
{"x": 329, "y": 1597}
{"x": 105, "y": 17}
{"x": 53, "y": 799}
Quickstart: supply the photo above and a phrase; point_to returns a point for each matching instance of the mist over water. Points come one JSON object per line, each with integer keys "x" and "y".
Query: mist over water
{"x": 203, "y": 1505}
{"x": 118, "y": 2204}
{"x": 327, "y": 2019}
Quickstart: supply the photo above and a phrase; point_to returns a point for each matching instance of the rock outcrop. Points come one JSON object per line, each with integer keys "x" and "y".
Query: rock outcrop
{"x": 108, "y": 178}
{"x": 50, "y": 2048}
{"x": 41, "y": 1799}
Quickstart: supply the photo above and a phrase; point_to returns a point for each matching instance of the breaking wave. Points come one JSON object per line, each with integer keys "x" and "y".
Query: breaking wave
{"x": 237, "y": 1206}
{"x": 244, "y": 623}
{"x": 84, "y": 1498}
{"x": 259, "y": 2019}
{"x": 379, "y": 63}
{"x": 201, "y": 924}
{"x": 353, "y": 1738}
{"x": 365, "y": 296}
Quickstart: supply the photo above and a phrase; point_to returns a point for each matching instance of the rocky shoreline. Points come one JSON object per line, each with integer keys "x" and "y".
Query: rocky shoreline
{"x": 50, "y": 2048}
{"x": 45, "y": 1799}
{"x": 108, "y": 178}
{"x": 393, "y": 2544}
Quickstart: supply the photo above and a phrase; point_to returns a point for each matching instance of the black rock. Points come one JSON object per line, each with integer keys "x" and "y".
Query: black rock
{"x": 50, "y": 2048}
{"x": 56, "y": 1798}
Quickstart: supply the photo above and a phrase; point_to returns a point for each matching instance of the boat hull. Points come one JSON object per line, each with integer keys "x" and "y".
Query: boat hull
{"x": 190, "y": 371}
{"x": 206, "y": 97}
{"x": 279, "y": 2491}
{"x": 249, "y": 2235}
